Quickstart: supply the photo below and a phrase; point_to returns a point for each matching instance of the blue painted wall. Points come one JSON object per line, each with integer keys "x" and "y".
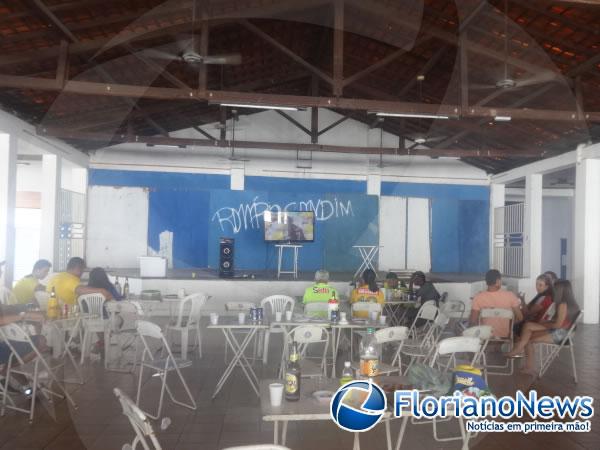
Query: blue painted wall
{"x": 460, "y": 223}
{"x": 191, "y": 205}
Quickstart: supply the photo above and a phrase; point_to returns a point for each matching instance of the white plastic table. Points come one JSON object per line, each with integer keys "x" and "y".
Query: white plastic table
{"x": 280, "y": 249}
{"x": 367, "y": 253}
{"x": 227, "y": 325}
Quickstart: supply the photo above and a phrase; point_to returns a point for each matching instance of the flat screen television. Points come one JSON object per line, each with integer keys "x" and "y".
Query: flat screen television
{"x": 289, "y": 226}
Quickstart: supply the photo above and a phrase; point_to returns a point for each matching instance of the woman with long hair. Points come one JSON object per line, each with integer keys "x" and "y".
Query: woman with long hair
{"x": 552, "y": 331}
{"x": 367, "y": 292}
{"x": 99, "y": 279}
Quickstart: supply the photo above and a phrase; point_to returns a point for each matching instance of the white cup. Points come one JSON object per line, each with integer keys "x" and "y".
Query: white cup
{"x": 214, "y": 318}
{"x": 276, "y": 391}
{"x": 382, "y": 319}
{"x": 343, "y": 317}
{"x": 241, "y": 318}
{"x": 278, "y": 315}
{"x": 373, "y": 315}
{"x": 181, "y": 293}
{"x": 288, "y": 315}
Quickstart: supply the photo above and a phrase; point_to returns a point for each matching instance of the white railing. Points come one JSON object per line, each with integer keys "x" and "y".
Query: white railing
{"x": 72, "y": 212}
{"x": 508, "y": 239}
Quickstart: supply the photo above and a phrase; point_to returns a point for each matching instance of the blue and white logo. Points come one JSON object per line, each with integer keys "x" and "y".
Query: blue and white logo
{"x": 358, "y": 406}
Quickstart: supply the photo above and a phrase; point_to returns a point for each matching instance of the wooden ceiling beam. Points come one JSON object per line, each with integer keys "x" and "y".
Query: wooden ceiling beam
{"x": 110, "y": 139}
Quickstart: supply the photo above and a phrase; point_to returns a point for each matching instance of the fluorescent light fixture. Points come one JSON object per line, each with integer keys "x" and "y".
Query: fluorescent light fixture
{"x": 502, "y": 118}
{"x": 413, "y": 115}
{"x": 241, "y": 105}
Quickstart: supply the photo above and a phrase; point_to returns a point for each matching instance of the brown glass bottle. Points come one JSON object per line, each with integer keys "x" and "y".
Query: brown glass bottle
{"x": 292, "y": 375}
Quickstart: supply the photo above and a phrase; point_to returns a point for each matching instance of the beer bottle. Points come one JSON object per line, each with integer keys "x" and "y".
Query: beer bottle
{"x": 292, "y": 375}
{"x": 126, "y": 288}
{"x": 53, "y": 307}
{"x": 118, "y": 286}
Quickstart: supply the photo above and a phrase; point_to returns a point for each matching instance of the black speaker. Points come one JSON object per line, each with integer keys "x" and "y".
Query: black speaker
{"x": 226, "y": 257}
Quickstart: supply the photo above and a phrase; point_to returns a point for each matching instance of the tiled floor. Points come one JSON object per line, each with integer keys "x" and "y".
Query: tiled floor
{"x": 234, "y": 417}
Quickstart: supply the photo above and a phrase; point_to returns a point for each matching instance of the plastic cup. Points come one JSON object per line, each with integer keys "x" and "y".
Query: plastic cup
{"x": 276, "y": 393}
{"x": 382, "y": 319}
{"x": 288, "y": 315}
{"x": 278, "y": 315}
{"x": 343, "y": 316}
{"x": 373, "y": 315}
{"x": 214, "y": 318}
{"x": 241, "y": 318}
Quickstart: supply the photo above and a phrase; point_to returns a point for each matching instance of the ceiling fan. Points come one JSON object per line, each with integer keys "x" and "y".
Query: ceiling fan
{"x": 186, "y": 50}
{"x": 423, "y": 139}
{"x": 509, "y": 82}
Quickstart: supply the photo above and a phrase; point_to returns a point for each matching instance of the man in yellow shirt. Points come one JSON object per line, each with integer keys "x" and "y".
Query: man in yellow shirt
{"x": 25, "y": 288}
{"x": 67, "y": 285}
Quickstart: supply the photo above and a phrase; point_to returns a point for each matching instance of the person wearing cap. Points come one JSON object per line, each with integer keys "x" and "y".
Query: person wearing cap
{"x": 26, "y": 288}
{"x": 67, "y": 285}
{"x": 320, "y": 291}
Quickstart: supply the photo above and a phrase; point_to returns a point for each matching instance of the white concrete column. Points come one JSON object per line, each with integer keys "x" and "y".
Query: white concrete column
{"x": 374, "y": 184}
{"x": 237, "y": 179}
{"x": 51, "y": 185}
{"x": 586, "y": 252}
{"x": 497, "y": 200}
{"x": 532, "y": 254}
{"x": 8, "y": 194}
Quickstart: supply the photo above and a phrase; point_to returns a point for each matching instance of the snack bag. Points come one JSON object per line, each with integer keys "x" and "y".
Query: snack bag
{"x": 469, "y": 381}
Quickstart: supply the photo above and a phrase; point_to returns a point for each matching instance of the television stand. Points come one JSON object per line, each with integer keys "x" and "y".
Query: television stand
{"x": 280, "y": 250}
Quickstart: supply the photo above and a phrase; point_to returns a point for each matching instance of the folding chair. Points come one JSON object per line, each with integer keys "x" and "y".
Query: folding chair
{"x": 91, "y": 307}
{"x": 484, "y": 333}
{"x": 391, "y": 335}
{"x": 274, "y": 303}
{"x": 121, "y": 332}
{"x": 428, "y": 312}
{"x": 160, "y": 366}
{"x": 188, "y": 320}
{"x": 506, "y": 314}
{"x": 34, "y": 370}
{"x": 449, "y": 348}
{"x": 549, "y": 352}
{"x": 140, "y": 424}
{"x": 421, "y": 350}
{"x": 455, "y": 310}
{"x": 307, "y": 336}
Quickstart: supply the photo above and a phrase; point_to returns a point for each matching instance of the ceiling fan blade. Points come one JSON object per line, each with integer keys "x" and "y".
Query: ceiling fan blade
{"x": 436, "y": 139}
{"x": 480, "y": 87}
{"x": 159, "y": 54}
{"x": 231, "y": 59}
{"x": 542, "y": 77}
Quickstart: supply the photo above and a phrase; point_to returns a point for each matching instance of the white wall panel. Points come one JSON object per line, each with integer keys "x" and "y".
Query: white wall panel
{"x": 418, "y": 242}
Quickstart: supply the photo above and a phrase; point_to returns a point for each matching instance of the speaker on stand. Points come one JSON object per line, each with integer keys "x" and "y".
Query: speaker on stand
{"x": 226, "y": 257}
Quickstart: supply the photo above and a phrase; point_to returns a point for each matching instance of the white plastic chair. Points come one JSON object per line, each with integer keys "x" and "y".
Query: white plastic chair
{"x": 308, "y": 336}
{"x": 122, "y": 331}
{"x": 34, "y": 369}
{"x": 161, "y": 366}
{"x": 271, "y": 305}
{"x": 91, "y": 307}
{"x": 508, "y": 315}
{"x": 42, "y": 297}
{"x": 316, "y": 309}
{"x": 188, "y": 320}
{"x": 549, "y": 352}
{"x": 139, "y": 422}
{"x": 392, "y": 335}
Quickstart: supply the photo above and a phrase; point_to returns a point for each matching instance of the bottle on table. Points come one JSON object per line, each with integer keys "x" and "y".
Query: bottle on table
{"x": 369, "y": 355}
{"x": 118, "y": 286}
{"x": 333, "y": 307}
{"x": 292, "y": 375}
{"x": 126, "y": 288}
{"x": 347, "y": 374}
{"x": 53, "y": 306}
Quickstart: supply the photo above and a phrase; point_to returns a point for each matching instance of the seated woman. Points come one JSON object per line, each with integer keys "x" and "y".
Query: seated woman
{"x": 367, "y": 292}
{"x": 537, "y": 307}
{"x": 550, "y": 332}
{"x": 98, "y": 279}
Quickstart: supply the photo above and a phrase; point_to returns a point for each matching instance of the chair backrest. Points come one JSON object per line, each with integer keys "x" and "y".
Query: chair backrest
{"x": 459, "y": 344}
{"x": 12, "y": 333}
{"x": 443, "y": 298}
{"x": 391, "y": 334}
{"x": 190, "y": 309}
{"x": 308, "y": 334}
{"x": 140, "y": 423}
{"x": 130, "y": 311}
{"x": 239, "y": 306}
{"x": 483, "y": 332}
{"x": 497, "y": 313}
{"x": 315, "y": 307}
{"x": 278, "y": 303}
{"x": 428, "y": 311}
{"x": 454, "y": 309}
{"x": 366, "y": 306}
{"x": 91, "y": 304}
{"x": 42, "y": 298}
{"x": 149, "y": 329}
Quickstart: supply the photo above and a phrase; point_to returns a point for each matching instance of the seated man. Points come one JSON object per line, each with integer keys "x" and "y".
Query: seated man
{"x": 67, "y": 285}
{"x": 424, "y": 289}
{"x": 320, "y": 291}
{"x": 26, "y": 288}
{"x": 495, "y": 297}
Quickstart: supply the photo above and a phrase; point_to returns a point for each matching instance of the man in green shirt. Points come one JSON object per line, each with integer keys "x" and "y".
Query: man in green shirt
{"x": 320, "y": 291}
